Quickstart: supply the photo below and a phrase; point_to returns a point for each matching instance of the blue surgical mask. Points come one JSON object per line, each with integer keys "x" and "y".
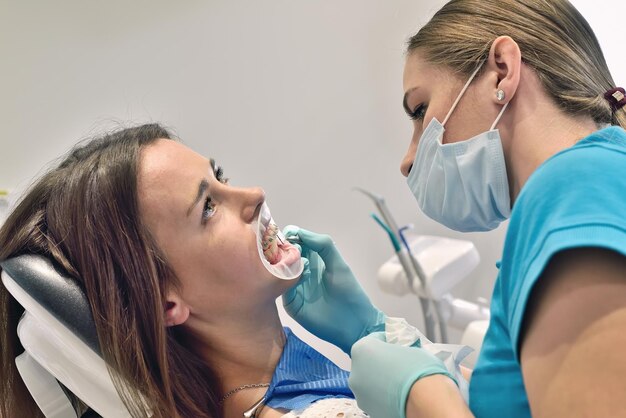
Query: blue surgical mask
{"x": 462, "y": 185}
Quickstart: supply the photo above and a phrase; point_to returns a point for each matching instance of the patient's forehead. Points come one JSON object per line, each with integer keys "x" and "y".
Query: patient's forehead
{"x": 169, "y": 174}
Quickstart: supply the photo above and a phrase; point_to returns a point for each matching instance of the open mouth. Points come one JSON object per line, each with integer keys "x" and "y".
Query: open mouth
{"x": 271, "y": 242}
{"x": 277, "y": 255}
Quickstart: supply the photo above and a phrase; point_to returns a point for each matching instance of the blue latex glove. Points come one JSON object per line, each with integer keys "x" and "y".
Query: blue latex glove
{"x": 383, "y": 374}
{"x": 328, "y": 301}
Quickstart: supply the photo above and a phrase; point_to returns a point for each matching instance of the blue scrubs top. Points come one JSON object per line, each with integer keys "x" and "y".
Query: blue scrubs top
{"x": 577, "y": 198}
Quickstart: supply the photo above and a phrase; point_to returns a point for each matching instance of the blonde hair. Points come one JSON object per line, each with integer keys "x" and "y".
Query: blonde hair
{"x": 554, "y": 38}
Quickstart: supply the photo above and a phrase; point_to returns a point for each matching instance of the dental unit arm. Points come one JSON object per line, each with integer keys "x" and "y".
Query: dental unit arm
{"x": 413, "y": 271}
{"x": 430, "y": 267}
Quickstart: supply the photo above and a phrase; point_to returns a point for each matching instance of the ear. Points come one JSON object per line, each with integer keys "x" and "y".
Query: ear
{"x": 176, "y": 310}
{"x": 505, "y": 59}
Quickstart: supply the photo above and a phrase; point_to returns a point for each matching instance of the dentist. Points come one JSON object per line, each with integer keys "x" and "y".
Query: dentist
{"x": 516, "y": 116}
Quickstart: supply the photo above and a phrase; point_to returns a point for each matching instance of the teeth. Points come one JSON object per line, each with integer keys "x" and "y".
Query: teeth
{"x": 268, "y": 236}
{"x": 269, "y": 243}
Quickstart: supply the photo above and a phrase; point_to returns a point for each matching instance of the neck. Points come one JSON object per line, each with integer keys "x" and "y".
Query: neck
{"x": 536, "y": 130}
{"x": 242, "y": 351}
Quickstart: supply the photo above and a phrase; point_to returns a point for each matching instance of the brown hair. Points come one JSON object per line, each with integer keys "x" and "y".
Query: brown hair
{"x": 554, "y": 38}
{"x": 84, "y": 216}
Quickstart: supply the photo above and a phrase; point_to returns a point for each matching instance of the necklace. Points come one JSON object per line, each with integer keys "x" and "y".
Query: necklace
{"x": 240, "y": 388}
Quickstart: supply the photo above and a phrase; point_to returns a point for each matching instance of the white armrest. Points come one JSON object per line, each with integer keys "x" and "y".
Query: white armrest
{"x": 44, "y": 388}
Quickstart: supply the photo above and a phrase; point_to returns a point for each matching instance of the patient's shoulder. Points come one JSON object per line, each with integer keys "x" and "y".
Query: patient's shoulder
{"x": 330, "y": 407}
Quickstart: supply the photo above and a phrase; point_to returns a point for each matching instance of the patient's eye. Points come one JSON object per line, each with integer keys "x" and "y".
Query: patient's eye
{"x": 219, "y": 174}
{"x": 208, "y": 210}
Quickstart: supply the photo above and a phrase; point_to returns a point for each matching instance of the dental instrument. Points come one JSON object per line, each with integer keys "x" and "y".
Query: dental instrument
{"x": 396, "y": 246}
{"x": 294, "y": 239}
{"x": 403, "y": 256}
{"x": 443, "y": 328}
{"x": 392, "y": 230}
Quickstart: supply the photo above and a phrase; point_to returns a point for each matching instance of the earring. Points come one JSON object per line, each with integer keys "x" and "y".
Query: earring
{"x": 500, "y": 94}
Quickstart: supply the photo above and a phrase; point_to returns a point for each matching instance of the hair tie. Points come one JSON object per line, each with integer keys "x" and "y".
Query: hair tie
{"x": 616, "y": 98}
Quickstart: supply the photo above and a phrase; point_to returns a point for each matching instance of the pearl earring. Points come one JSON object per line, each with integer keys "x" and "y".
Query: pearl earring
{"x": 500, "y": 94}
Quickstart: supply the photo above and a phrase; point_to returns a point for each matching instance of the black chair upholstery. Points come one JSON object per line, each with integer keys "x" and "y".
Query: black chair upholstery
{"x": 56, "y": 292}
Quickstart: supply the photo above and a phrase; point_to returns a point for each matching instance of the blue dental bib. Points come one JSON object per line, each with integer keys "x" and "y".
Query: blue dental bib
{"x": 304, "y": 376}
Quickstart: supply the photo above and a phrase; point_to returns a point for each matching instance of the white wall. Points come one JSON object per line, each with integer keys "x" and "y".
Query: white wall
{"x": 300, "y": 97}
{"x": 602, "y": 15}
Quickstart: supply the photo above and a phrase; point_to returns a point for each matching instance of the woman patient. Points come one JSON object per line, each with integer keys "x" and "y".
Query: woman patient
{"x": 166, "y": 253}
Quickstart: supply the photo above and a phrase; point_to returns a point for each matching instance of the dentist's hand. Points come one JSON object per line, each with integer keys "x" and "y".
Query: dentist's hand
{"x": 383, "y": 374}
{"x": 328, "y": 301}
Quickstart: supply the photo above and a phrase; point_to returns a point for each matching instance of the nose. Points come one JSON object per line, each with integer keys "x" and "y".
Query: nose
{"x": 407, "y": 162}
{"x": 251, "y": 198}
{"x": 406, "y": 171}
{"x": 409, "y": 158}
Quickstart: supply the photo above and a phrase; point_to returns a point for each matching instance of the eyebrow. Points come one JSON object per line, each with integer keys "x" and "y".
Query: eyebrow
{"x": 405, "y": 100}
{"x": 202, "y": 187}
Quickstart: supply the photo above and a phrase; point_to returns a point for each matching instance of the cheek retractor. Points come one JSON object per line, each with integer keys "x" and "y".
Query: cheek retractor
{"x": 278, "y": 256}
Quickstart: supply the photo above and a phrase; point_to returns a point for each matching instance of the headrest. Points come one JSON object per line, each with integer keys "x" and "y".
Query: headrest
{"x": 60, "y": 295}
{"x": 59, "y": 338}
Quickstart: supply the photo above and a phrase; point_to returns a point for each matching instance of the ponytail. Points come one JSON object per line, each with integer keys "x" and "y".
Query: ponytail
{"x": 619, "y": 117}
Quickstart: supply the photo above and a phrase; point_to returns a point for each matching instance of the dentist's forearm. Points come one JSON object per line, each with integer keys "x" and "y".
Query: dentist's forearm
{"x": 436, "y": 396}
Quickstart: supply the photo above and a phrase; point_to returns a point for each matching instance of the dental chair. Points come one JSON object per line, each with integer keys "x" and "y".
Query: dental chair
{"x": 57, "y": 331}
